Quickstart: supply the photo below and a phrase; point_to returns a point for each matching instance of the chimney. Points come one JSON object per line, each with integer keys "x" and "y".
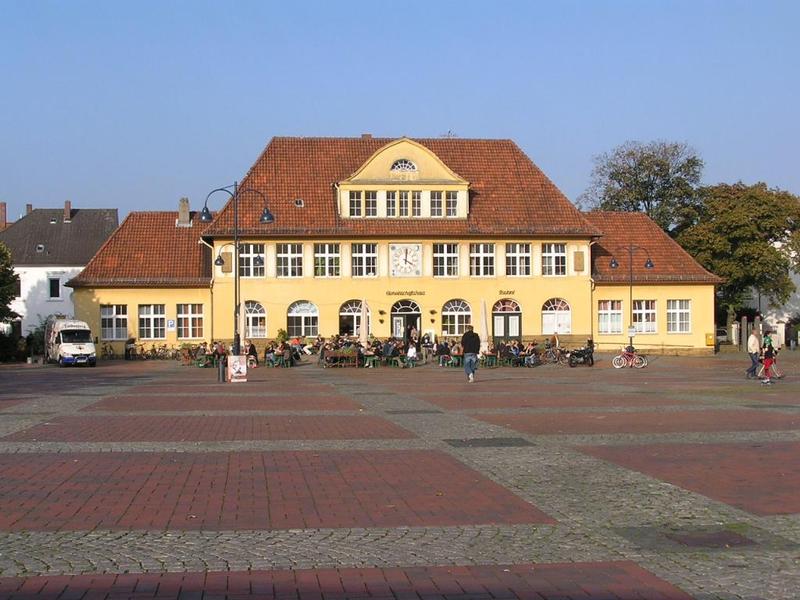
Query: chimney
{"x": 3, "y": 222}
{"x": 67, "y": 211}
{"x": 183, "y": 214}
{"x": 366, "y": 136}
{"x": 28, "y": 209}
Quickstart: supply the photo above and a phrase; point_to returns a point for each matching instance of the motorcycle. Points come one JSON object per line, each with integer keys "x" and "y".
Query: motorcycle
{"x": 582, "y": 356}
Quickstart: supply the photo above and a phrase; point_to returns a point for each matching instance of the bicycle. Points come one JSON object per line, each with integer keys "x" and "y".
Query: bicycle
{"x": 629, "y": 358}
{"x": 108, "y": 351}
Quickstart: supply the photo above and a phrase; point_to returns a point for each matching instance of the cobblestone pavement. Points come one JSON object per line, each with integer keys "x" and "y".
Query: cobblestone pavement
{"x": 149, "y": 479}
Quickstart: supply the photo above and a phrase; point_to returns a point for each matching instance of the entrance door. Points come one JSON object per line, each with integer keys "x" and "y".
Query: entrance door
{"x": 507, "y": 326}
{"x": 405, "y": 315}
{"x": 398, "y": 326}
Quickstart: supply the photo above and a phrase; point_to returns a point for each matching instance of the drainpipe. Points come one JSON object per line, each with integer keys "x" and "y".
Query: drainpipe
{"x": 591, "y": 294}
{"x": 210, "y": 286}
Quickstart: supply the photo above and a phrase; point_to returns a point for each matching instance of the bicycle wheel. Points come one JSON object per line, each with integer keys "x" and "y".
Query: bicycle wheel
{"x": 618, "y": 361}
{"x": 563, "y": 358}
{"x": 639, "y": 361}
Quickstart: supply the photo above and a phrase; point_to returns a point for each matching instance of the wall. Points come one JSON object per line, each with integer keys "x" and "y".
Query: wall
{"x": 34, "y": 303}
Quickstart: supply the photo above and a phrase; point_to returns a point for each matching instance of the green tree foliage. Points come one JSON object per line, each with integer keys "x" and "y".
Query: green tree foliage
{"x": 8, "y": 285}
{"x": 749, "y": 236}
{"x": 660, "y": 179}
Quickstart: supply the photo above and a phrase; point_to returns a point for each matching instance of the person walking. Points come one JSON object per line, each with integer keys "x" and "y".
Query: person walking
{"x": 754, "y": 350}
{"x": 471, "y": 345}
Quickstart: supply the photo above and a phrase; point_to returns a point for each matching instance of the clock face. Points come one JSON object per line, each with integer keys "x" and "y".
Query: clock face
{"x": 405, "y": 260}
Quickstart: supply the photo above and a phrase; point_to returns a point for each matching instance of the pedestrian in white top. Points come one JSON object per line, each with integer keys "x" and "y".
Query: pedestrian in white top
{"x": 754, "y": 350}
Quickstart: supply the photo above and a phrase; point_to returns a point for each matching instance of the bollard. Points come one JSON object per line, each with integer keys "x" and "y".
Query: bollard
{"x": 221, "y": 371}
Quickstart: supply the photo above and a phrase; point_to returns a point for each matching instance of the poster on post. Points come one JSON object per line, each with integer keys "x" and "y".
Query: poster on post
{"x": 237, "y": 369}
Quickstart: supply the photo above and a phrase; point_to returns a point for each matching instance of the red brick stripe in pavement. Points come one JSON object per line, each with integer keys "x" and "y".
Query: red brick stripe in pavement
{"x": 190, "y": 428}
{"x": 573, "y": 399}
{"x": 608, "y": 580}
{"x": 646, "y": 422}
{"x": 250, "y": 490}
{"x": 761, "y": 478}
{"x": 197, "y": 402}
{"x": 211, "y": 388}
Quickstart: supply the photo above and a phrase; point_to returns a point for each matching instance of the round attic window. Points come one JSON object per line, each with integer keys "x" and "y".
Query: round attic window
{"x": 403, "y": 165}
{"x": 40, "y": 248}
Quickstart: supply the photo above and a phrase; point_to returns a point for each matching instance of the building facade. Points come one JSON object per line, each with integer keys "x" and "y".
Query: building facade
{"x": 48, "y": 248}
{"x": 390, "y": 235}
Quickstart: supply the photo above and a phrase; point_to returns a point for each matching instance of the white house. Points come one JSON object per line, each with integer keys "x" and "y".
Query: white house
{"x": 48, "y": 248}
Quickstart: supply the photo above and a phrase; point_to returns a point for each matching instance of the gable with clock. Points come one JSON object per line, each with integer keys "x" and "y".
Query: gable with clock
{"x": 405, "y": 260}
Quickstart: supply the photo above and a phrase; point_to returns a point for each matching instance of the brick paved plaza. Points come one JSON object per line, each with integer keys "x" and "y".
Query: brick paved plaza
{"x": 151, "y": 480}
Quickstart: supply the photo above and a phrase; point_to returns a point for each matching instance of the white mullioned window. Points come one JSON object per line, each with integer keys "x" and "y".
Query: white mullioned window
{"x": 114, "y": 321}
{"x": 364, "y": 260}
{"x": 456, "y": 315}
{"x": 289, "y": 260}
{"x": 609, "y": 316}
{"x": 481, "y": 260}
{"x": 370, "y": 204}
{"x": 679, "y": 316}
{"x": 302, "y": 319}
{"x": 451, "y": 204}
{"x": 152, "y": 322}
{"x": 416, "y": 204}
{"x": 326, "y": 260}
{"x": 403, "y": 165}
{"x": 436, "y": 204}
{"x": 554, "y": 259}
{"x": 445, "y": 260}
{"x": 518, "y": 260}
{"x": 644, "y": 316}
{"x": 251, "y": 260}
{"x": 402, "y": 204}
{"x": 391, "y": 204}
{"x": 190, "y": 321}
{"x": 255, "y": 320}
{"x": 355, "y": 204}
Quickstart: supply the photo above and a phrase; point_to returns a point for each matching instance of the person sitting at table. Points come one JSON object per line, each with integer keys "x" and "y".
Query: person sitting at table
{"x": 411, "y": 355}
{"x": 269, "y": 354}
{"x": 251, "y": 352}
{"x": 443, "y": 352}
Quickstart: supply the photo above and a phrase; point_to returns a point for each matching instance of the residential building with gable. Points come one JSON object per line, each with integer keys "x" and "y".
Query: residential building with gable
{"x": 432, "y": 234}
{"x": 50, "y": 246}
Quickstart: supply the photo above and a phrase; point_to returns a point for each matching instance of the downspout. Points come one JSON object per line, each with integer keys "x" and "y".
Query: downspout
{"x": 591, "y": 293}
{"x": 210, "y": 286}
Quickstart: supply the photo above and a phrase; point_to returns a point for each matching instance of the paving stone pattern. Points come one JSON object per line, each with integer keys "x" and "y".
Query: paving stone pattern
{"x": 151, "y": 480}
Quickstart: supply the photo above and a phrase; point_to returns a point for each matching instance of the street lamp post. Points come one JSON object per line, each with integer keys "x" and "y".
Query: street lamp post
{"x": 266, "y": 218}
{"x": 648, "y": 264}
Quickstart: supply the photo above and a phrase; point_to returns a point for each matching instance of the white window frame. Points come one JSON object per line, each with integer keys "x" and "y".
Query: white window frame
{"x": 327, "y": 260}
{"x": 437, "y": 209}
{"x": 370, "y": 204}
{"x": 518, "y": 259}
{"x": 445, "y": 260}
{"x": 391, "y": 204}
{"x": 554, "y": 259}
{"x": 416, "y": 204}
{"x": 645, "y": 316}
{"x": 609, "y": 316}
{"x": 190, "y": 321}
{"x": 355, "y": 203}
{"x": 402, "y": 204}
{"x": 255, "y": 320}
{"x": 456, "y": 315}
{"x": 248, "y": 253}
{"x": 679, "y": 316}
{"x": 364, "y": 259}
{"x": 289, "y": 260}
{"x": 481, "y": 259}
{"x": 556, "y": 317}
{"x": 308, "y": 314}
{"x": 451, "y": 204}
{"x": 114, "y": 321}
{"x": 152, "y": 322}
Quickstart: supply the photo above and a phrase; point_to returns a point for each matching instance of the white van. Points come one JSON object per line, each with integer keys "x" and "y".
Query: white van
{"x": 69, "y": 342}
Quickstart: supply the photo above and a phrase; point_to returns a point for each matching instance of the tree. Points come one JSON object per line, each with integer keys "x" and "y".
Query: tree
{"x": 749, "y": 236}
{"x": 8, "y": 285}
{"x": 660, "y": 179}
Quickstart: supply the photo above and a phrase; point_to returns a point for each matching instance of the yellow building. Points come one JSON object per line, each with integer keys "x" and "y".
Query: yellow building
{"x": 431, "y": 234}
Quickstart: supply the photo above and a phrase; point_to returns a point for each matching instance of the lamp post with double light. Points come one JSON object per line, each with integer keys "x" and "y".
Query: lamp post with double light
{"x": 614, "y": 264}
{"x": 266, "y": 218}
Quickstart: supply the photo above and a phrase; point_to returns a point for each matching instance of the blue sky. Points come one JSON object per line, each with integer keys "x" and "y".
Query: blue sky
{"x": 133, "y": 105}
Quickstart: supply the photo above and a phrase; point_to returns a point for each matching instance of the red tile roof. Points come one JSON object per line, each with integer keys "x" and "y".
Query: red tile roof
{"x": 509, "y": 195}
{"x": 671, "y": 263}
{"x": 148, "y": 250}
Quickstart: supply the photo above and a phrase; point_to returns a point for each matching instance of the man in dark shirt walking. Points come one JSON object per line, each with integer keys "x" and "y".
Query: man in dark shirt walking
{"x": 471, "y": 344}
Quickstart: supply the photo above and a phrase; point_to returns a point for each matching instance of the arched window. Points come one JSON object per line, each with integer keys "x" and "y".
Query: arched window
{"x": 302, "y": 319}
{"x": 506, "y": 320}
{"x": 350, "y": 318}
{"x": 405, "y": 306}
{"x": 506, "y": 305}
{"x": 556, "y": 316}
{"x": 456, "y": 315}
{"x": 403, "y": 165}
{"x": 255, "y": 320}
